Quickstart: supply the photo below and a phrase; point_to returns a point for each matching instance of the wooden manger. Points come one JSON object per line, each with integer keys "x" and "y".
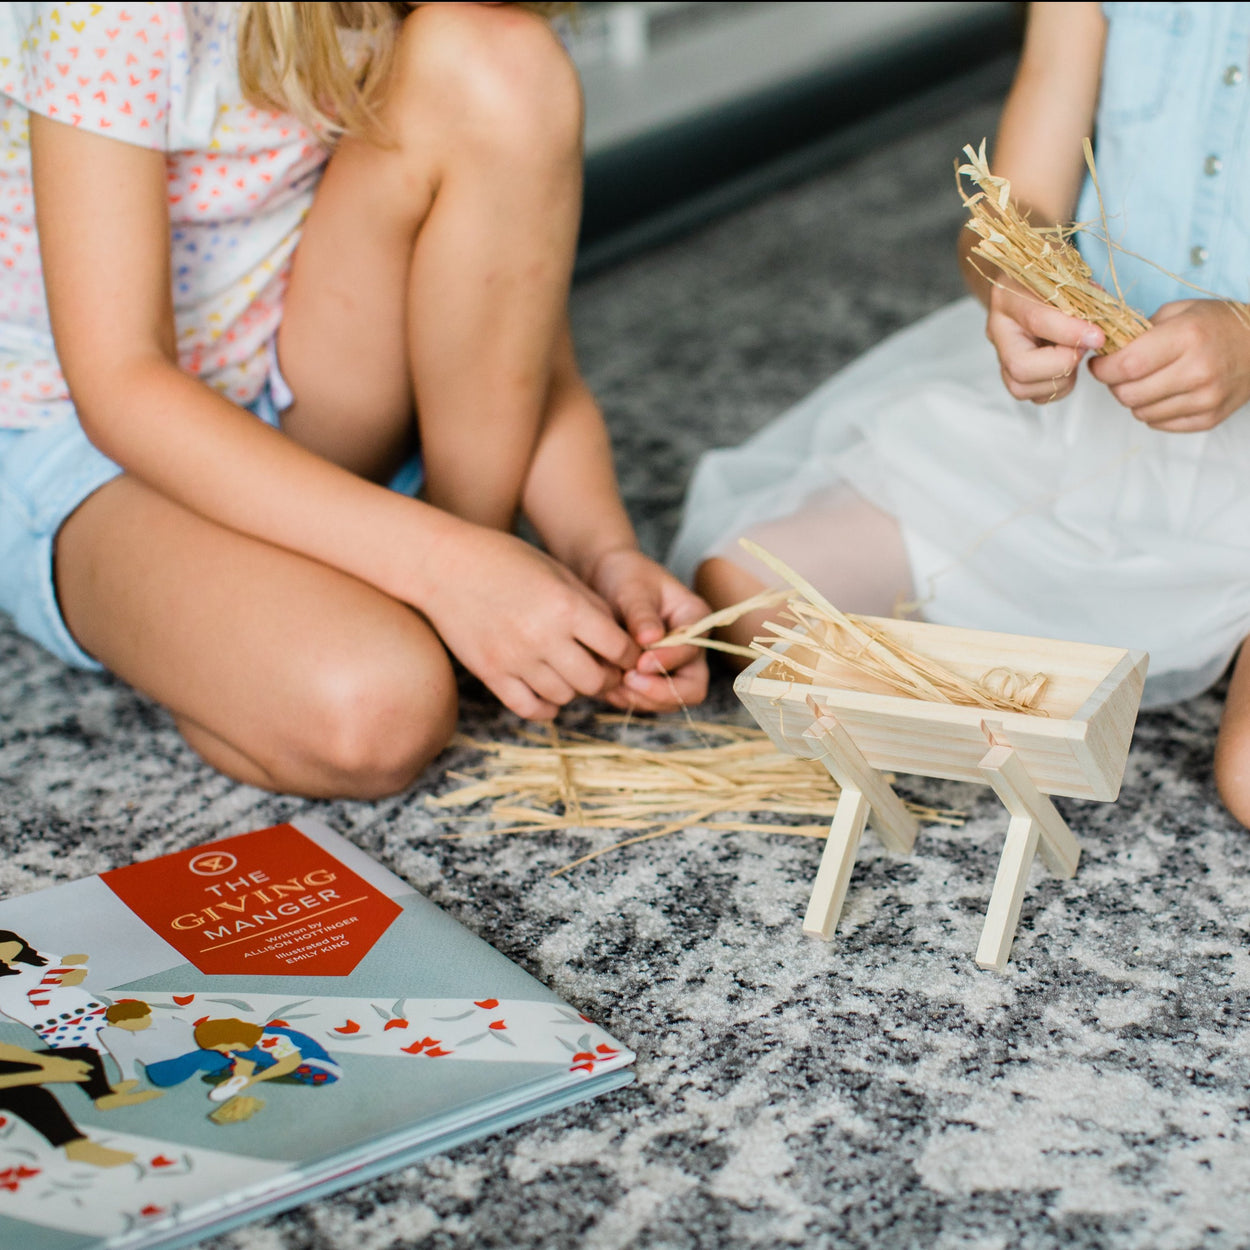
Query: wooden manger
{"x": 1073, "y": 742}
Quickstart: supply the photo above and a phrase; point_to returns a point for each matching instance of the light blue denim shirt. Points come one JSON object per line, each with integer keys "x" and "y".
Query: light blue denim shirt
{"x": 1172, "y": 149}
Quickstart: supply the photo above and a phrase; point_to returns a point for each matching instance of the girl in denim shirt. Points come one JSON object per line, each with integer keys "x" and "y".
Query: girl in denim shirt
{"x": 1001, "y": 484}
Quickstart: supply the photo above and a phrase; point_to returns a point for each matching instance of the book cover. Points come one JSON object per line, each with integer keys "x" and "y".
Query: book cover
{"x": 199, "y": 1039}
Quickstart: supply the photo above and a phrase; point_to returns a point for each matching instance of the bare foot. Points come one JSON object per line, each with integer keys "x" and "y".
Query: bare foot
{"x": 84, "y": 1150}
{"x": 125, "y": 1098}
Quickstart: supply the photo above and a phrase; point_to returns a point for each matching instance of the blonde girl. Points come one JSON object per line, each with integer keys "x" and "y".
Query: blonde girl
{"x": 254, "y": 259}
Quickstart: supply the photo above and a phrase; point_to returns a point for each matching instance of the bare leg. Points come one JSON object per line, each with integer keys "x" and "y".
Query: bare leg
{"x": 279, "y": 671}
{"x": 434, "y": 273}
{"x": 847, "y": 548}
{"x": 723, "y": 583}
{"x": 1232, "y": 748}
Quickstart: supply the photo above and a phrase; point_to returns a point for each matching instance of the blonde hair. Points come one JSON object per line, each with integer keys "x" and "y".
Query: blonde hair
{"x": 325, "y": 63}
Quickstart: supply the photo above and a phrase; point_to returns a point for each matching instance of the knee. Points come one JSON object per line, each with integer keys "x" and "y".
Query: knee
{"x": 370, "y": 724}
{"x": 721, "y": 582}
{"x": 498, "y": 75}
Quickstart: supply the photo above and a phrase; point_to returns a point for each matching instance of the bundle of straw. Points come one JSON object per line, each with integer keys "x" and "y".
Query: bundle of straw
{"x": 813, "y": 626}
{"x": 579, "y": 782}
{"x": 1043, "y": 260}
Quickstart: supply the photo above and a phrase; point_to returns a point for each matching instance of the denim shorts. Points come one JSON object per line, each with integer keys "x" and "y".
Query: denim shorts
{"x": 45, "y": 473}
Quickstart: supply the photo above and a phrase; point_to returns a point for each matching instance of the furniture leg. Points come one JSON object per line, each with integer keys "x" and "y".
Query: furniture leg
{"x": 1002, "y": 768}
{"x": 1003, "y": 913}
{"x": 1035, "y": 825}
{"x": 829, "y": 888}
{"x": 894, "y": 824}
{"x": 864, "y": 792}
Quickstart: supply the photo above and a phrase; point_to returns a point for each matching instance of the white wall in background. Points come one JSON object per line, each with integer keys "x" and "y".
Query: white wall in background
{"x": 649, "y": 64}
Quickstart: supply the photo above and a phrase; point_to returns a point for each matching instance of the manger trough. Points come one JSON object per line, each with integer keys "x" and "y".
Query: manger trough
{"x": 1072, "y": 740}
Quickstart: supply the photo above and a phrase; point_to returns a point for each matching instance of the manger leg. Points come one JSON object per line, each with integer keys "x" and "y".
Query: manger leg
{"x": 1035, "y": 824}
{"x": 895, "y": 825}
{"x": 1002, "y": 768}
{"x": 829, "y": 889}
{"x": 1003, "y": 913}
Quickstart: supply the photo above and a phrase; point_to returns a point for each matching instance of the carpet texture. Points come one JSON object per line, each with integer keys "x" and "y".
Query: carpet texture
{"x": 876, "y": 1091}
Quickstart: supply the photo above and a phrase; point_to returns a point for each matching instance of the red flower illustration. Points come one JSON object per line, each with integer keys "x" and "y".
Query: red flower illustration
{"x": 487, "y": 1004}
{"x": 428, "y": 1046}
{"x": 496, "y": 1024}
{"x": 163, "y": 1161}
{"x": 585, "y": 1060}
{"x": 397, "y": 1023}
{"x": 12, "y": 1178}
{"x": 183, "y": 999}
{"x": 350, "y": 1027}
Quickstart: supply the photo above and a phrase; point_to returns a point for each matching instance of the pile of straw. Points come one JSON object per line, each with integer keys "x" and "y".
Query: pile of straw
{"x": 1043, "y": 260}
{"x": 579, "y": 782}
{"x": 854, "y": 642}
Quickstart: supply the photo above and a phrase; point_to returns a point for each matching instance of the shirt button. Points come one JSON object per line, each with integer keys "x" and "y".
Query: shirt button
{"x": 1198, "y": 255}
{"x": 1232, "y": 76}
{"x": 1212, "y": 165}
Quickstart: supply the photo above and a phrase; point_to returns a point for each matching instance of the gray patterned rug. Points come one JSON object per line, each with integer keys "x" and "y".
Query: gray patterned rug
{"x": 877, "y": 1091}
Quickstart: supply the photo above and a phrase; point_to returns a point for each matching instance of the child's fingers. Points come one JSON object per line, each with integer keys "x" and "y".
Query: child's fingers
{"x": 641, "y": 616}
{"x": 1175, "y": 308}
{"x": 1042, "y": 365}
{"x": 667, "y": 659}
{"x": 517, "y": 697}
{"x": 1139, "y": 359}
{"x": 682, "y": 607}
{"x": 600, "y": 633}
{"x": 549, "y": 685}
{"x": 581, "y": 671}
{"x": 1173, "y": 381}
{"x": 1047, "y": 324}
{"x": 1186, "y": 424}
{"x": 682, "y": 688}
{"x": 1189, "y": 410}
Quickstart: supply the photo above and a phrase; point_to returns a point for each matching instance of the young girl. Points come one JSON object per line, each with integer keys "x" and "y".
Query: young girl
{"x": 255, "y": 257}
{"x": 1107, "y": 504}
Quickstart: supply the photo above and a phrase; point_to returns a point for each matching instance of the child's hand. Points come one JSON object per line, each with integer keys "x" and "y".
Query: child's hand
{"x": 1189, "y": 372}
{"x": 522, "y": 623}
{"x": 1039, "y": 348}
{"x": 652, "y": 603}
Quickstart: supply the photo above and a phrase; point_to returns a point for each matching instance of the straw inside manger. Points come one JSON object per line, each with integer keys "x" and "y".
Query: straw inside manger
{"x": 579, "y": 782}
{"x": 813, "y": 630}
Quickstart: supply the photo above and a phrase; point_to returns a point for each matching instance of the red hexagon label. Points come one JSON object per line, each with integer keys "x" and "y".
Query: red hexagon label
{"x": 267, "y": 903}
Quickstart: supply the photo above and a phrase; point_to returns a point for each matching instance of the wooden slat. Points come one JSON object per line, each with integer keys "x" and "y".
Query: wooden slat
{"x": 836, "y": 864}
{"x": 895, "y": 825}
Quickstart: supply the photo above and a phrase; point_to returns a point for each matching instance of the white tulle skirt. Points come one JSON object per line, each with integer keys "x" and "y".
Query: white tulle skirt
{"x": 1068, "y": 520}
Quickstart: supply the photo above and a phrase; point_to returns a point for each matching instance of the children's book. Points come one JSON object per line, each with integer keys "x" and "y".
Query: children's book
{"x": 194, "y": 1041}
